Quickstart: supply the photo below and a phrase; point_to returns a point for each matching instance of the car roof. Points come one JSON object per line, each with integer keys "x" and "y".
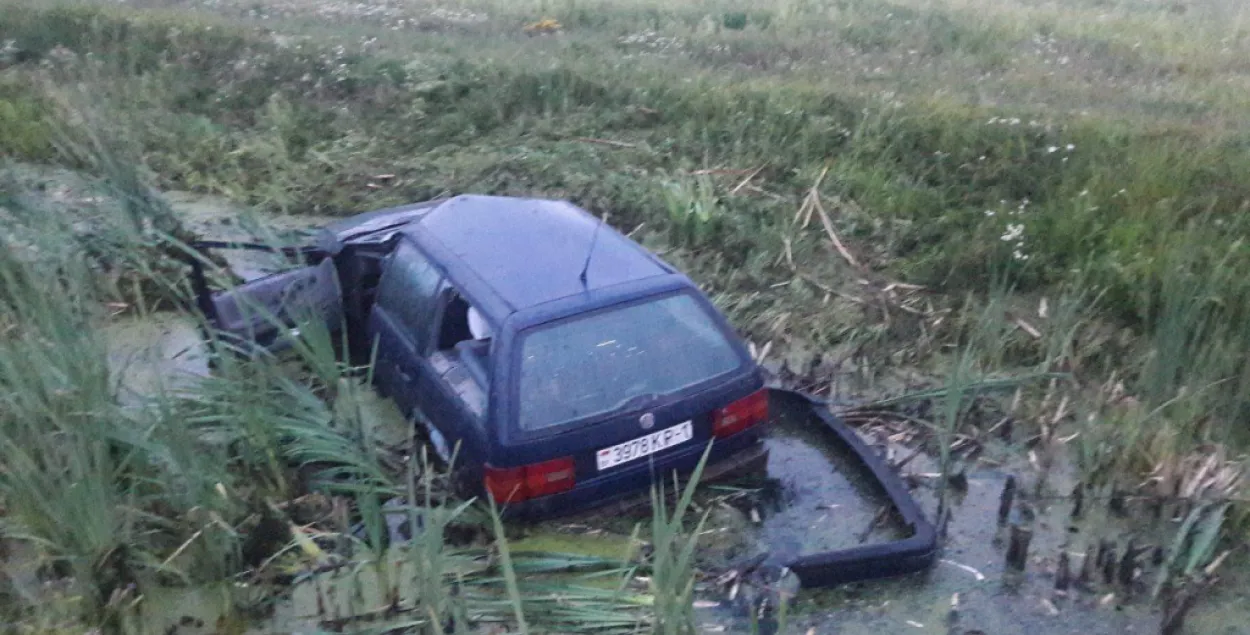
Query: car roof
{"x": 528, "y": 251}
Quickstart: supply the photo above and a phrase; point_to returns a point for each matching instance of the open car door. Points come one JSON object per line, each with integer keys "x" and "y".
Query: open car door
{"x": 267, "y": 312}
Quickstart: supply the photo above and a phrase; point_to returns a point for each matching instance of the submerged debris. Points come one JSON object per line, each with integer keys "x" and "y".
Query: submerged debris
{"x": 1018, "y": 547}
{"x": 1078, "y": 501}
{"x": 1128, "y": 564}
{"x": 1005, "y": 500}
{"x": 1108, "y": 555}
{"x": 1063, "y": 574}
{"x": 1089, "y": 564}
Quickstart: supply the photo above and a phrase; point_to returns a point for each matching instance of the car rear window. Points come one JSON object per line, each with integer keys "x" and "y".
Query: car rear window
{"x": 597, "y": 363}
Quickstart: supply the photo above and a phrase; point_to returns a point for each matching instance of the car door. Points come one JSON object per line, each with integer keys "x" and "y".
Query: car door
{"x": 416, "y": 325}
{"x": 453, "y": 379}
{"x": 267, "y": 311}
{"x": 401, "y": 323}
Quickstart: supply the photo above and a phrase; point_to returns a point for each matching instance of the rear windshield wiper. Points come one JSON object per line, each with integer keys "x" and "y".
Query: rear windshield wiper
{"x": 638, "y": 402}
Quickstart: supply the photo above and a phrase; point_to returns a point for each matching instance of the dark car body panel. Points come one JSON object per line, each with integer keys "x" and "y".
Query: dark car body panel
{"x": 493, "y": 438}
{"x": 519, "y": 262}
{"x": 252, "y": 314}
{"x": 744, "y": 453}
{"x": 523, "y": 264}
{"x": 600, "y": 299}
{"x": 531, "y": 251}
{"x": 371, "y": 226}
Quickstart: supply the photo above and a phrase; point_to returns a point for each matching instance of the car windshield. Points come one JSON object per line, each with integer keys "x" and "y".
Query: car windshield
{"x": 601, "y": 362}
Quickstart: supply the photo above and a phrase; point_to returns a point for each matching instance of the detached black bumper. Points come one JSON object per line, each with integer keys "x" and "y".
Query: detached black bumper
{"x": 915, "y": 553}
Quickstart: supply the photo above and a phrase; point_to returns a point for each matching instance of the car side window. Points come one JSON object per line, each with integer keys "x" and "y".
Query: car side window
{"x": 409, "y": 292}
{"x": 458, "y": 339}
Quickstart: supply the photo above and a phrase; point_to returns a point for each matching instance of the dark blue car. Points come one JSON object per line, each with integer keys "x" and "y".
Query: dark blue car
{"x": 565, "y": 365}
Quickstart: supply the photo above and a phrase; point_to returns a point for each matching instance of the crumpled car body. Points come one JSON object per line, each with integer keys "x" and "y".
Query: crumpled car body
{"x": 593, "y": 368}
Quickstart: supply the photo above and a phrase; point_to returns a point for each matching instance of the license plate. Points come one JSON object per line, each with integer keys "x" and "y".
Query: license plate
{"x": 644, "y": 445}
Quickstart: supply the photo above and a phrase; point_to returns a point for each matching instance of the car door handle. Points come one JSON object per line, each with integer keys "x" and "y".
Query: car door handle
{"x": 404, "y": 376}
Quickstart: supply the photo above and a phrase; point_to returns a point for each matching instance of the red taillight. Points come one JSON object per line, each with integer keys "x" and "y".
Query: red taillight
{"x": 516, "y": 484}
{"x": 741, "y": 414}
{"x": 505, "y": 485}
{"x": 549, "y": 477}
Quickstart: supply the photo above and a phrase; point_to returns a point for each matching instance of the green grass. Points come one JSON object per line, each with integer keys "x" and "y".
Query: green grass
{"x": 114, "y": 501}
{"x": 102, "y": 494}
{"x": 1083, "y": 150}
{"x": 308, "y": 129}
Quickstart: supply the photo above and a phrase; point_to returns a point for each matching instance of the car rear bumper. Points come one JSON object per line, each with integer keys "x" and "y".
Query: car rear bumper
{"x": 738, "y": 456}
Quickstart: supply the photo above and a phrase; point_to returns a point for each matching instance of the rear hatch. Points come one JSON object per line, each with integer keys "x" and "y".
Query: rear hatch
{"x": 604, "y": 398}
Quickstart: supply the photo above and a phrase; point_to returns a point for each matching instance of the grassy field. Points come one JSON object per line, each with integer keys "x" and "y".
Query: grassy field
{"x": 852, "y": 176}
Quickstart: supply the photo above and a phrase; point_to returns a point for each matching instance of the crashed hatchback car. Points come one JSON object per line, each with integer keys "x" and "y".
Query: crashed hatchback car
{"x": 564, "y": 364}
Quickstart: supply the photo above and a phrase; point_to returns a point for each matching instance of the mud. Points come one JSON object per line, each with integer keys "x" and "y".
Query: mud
{"x": 973, "y": 590}
{"x": 826, "y": 503}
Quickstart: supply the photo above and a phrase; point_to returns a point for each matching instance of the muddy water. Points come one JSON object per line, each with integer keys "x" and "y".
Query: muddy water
{"x": 826, "y": 507}
{"x": 158, "y": 352}
{"x": 152, "y": 354}
{"x": 826, "y": 503}
{"x": 990, "y": 598}
{"x": 814, "y": 506}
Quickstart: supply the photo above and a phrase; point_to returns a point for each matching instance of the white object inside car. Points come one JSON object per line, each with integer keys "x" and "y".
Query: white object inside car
{"x": 477, "y": 325}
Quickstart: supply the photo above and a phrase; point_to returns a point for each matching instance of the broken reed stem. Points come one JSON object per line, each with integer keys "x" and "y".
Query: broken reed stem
{"x": 1063, "y": 573}
{"x": 1128, "y": 564}
{"x": 1006, "y": 499}
{"x": 1088, "y": 566}
{"x": 876, "y": 520}
{"x": 1117, "y": 502}
{"x": 833, "y": 236}
{"x": 747, "y": 180}
{"x": 1018, "y": 547}
{"x": 1108, "y": 563}
{"x": 1176, "y": 606}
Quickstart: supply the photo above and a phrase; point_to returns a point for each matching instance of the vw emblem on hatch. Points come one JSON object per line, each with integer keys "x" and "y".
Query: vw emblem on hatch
{"x": 647, "y": 421}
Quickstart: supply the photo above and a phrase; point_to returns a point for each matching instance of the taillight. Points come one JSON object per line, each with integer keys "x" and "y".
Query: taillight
{"x": 505, "y": 484}
{"x": 741, "y": 414}
{"x": 516, "y": 484}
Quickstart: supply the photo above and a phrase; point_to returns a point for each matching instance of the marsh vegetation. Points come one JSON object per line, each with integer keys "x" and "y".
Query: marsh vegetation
{"x": 1009, "y": 234}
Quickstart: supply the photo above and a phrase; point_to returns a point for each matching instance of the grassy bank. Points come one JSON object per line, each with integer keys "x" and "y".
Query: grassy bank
{"x": 929, "y": 191}
{"x": 796, "y": 159}
{"x": 214, "y": 496}
{"x": 227, "y": 490}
